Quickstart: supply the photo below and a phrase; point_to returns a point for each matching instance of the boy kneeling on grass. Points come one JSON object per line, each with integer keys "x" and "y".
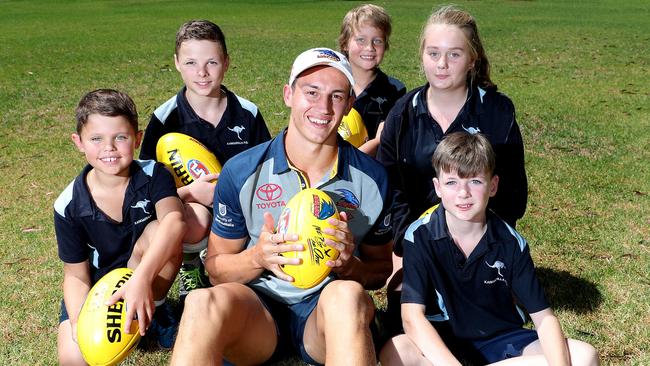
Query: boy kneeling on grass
{"x": 118, "y": 212}
{"x": 463, "y": 266}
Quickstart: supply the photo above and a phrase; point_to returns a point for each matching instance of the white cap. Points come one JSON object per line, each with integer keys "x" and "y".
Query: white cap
{"x": 321, "y": 56}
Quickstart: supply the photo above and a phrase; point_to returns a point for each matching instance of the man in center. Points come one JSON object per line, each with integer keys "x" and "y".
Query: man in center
{"x": 253, "y": 313}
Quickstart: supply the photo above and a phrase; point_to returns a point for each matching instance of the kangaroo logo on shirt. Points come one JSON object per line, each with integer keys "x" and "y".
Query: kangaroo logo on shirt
{"x": 237, "y": 130}
{"x": 143, "y": 205}
{"x": 379, "y": 100}
{"x": 498, "y": 265}
{"x": 472, "y": 130}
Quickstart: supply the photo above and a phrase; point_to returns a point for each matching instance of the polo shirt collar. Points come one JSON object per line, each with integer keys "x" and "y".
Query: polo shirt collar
{"x": 474, "y": 101}
{"x": 138, "y": 177}
{"x": 488, "y": 241}
{"x": 85, "y": 205}
{"x": 378, "y": 82}
{"x": 189, "y": 115}
{"x": 281, "y": 163}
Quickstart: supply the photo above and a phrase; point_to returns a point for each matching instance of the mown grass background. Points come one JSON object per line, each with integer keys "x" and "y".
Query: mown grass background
{"x": 577, "y": 72}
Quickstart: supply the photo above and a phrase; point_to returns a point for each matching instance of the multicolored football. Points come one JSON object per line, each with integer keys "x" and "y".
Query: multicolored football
{"x": 306, "y": 214}
{"x": 352, "y": 129}
{"x": 186, "y": 158}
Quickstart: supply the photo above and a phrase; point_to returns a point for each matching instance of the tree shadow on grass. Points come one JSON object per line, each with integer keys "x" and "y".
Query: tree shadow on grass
{"x": 568, "y": 292}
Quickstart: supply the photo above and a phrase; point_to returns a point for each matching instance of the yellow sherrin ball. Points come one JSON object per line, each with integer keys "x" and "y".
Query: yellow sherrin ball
{"x": 186, "y": 158}
{"x": 100, "y": 328}
{"x": 306, "y": 214}
{"x": 352, "y": 128}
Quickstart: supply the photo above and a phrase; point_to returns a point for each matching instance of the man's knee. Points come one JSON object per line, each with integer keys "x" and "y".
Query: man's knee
{"x": 347, "y": 295}
{"x": 217, "y": 301}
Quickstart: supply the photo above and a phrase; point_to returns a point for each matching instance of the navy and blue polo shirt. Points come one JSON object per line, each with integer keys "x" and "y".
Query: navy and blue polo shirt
{"x": 475, "y": 295}
{"x": 374, "y": 103}
{"x": 240, "y": 128}
{"x": 262, "y": 180}
{"x": 84, "y": 232}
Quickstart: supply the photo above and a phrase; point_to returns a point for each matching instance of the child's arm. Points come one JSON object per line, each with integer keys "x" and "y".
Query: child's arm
{"x": 201, "y": 190}
{"x": 370, "y": 146}
{"x": 164, "y": 244}
{"x": 425, "y": 336}
{"x": 551, "y": 337}
{"x": 76, "y": 284}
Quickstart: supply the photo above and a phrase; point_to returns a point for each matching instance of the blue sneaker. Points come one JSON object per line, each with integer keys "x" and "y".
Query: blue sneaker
{"x": 163, "y": 327}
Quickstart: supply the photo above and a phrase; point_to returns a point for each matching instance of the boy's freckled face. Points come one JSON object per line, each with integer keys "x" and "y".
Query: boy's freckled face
{"x": 202, "y": 65}
{"x": 366, "y": 47}
{"x": 465, "y": 199}
{"x": 108, "y": 143}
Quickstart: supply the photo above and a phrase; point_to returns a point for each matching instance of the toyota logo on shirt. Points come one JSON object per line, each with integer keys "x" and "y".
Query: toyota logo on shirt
{"x": 269, "y": 193}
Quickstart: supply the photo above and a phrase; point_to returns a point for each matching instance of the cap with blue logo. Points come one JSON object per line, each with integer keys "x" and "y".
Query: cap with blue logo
{"x": 321, "y": 56}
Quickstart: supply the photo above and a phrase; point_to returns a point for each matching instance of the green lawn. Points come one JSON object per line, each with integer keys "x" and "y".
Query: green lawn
{"x": 577, "y": 72}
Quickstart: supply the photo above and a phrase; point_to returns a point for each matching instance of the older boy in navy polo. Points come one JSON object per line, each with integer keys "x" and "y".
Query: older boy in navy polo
{"x": 205, "y": 109}
{"x": 118, "y": 212}
{"x": 463, "y": 266}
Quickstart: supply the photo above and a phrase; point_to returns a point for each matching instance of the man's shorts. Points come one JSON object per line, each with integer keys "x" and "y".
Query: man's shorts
{"x": 290, "y": 321}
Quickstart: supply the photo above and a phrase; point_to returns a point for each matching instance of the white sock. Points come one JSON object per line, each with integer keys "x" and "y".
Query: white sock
{"x": 159, "y": 302}
{"x": 196, "y": 247}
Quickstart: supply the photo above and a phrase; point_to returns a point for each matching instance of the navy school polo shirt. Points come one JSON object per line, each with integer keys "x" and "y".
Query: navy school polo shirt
{"x": 241, "y": 126}
{"x": 374, "y": 103}
{"x": 476, "y": 296}
{"x": 262, "y": 180}
{"x": 84, "y": 232}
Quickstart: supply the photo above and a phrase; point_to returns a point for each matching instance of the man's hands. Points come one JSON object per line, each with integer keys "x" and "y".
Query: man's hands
{"x": 344, "y": 243}
{"x": 270, "y": 245}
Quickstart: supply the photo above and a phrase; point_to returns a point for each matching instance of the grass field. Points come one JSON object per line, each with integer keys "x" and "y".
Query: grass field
{"x": 577, "y": 72}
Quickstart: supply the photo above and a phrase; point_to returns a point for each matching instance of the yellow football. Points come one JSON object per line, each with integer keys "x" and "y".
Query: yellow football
{"x": 186, "y": 158}
{"x": 100, "y": 328}
{"x": 306, "y": 214}
{"x": 352, "y": 128}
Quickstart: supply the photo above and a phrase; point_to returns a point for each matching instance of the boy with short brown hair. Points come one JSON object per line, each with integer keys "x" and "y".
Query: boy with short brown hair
{"x": 118, "y": 212}
{"x": 206, "y": 110}
{"x": 468, "y": 274}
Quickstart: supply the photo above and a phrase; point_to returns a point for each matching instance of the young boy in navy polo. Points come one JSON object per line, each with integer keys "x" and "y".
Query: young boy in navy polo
{"x": 364, "y": 38}
{"x": 466, "y": 274}
{"x": 205, "y": 109}
{"x": 118, "y": 212}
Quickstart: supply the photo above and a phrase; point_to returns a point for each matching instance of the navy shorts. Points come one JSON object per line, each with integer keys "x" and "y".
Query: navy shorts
{"x": 290, "y": 321}
{"x": 506, "y": 345}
